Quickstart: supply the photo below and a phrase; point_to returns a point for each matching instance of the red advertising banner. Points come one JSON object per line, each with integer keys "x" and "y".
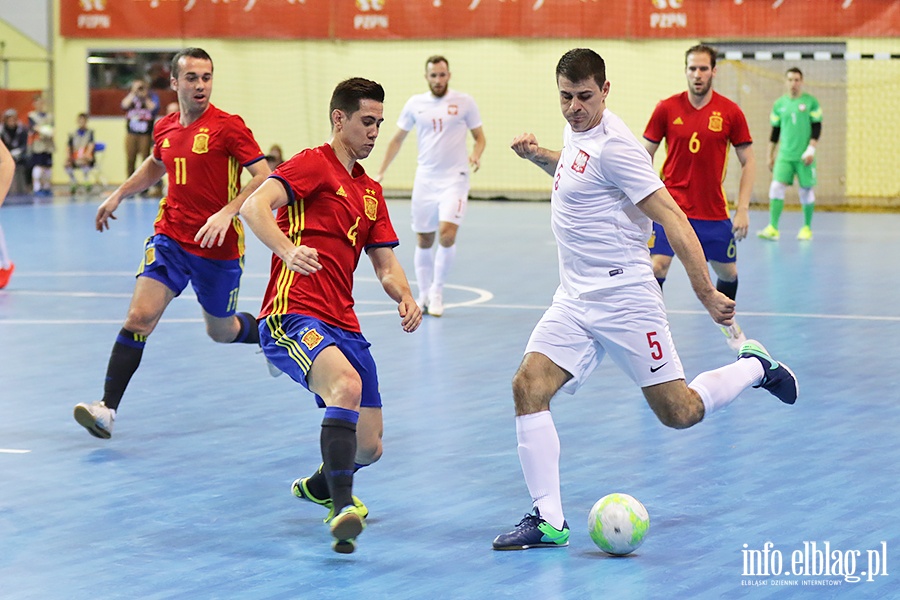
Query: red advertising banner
{"x": 251, "y": 19}
{"x": 436, "y": 19}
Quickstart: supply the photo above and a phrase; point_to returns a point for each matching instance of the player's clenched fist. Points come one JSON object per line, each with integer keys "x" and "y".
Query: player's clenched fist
{"x": 525, "y": 145}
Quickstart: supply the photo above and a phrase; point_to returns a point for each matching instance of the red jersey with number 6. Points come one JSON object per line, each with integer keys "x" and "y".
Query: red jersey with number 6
{"x": 697, "y": 146}
{"x": 203, "y": 162}
{"x": 337, "y": 213}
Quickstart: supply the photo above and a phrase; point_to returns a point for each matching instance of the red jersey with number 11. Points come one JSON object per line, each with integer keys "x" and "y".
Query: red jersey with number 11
{"x": 203, "y": 162}
{"x": 697, "y": 146}
{"x": 339, "y": 214}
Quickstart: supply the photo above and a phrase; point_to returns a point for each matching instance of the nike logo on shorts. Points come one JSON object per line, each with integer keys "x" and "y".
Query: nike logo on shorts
{"x": 658, "y": 367}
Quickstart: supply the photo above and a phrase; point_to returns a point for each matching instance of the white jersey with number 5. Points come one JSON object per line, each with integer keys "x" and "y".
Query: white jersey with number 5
{"x": 600, "y": 232}
{"x": 442, "y": 126}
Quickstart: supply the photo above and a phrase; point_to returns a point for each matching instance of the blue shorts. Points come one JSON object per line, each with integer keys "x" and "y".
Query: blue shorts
{"x": 292, "y": 342}
{"x": 716, "y": 238}
{"x": 216, "y": 282}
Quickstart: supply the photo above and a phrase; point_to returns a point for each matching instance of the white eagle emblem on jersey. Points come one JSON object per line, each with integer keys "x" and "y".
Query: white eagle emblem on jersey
{"x": 581, "y": 161}
{"x": 452, "y": 109}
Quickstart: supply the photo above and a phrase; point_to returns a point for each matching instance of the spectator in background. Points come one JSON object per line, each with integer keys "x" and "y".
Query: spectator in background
{"x": 140, "y": 112}
{"x": 15, "y": 137}
{"x": 275, "y": 156}
{"x": 40, "y": 129}
{"x": 81, "y": 154}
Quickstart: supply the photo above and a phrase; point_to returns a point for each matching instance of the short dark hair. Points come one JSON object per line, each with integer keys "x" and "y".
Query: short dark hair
{"x": 709, "y": 50}
{"x": 436, "y": 59}
{"x": 188, "y": 52}
{"x": 579, "y": 64}
{"x": 794, "y": 70}
{"x": 82, "y": 115}
{"x": 348, "y": 93}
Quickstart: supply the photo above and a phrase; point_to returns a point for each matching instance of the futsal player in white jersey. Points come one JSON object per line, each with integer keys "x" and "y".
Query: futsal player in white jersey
{"x": 605, "y": 193}
{"x": 442, "y": 118}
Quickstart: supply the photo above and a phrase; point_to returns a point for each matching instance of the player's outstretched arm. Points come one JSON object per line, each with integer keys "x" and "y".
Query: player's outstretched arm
{"x": 219, "y": 224}
{"x": 257, "y": 213}
{"x": 661, "y": 207}
{"x": 395, "y": 284}
{"x": 526, "y": 146}
{"x": 150, "y": 171}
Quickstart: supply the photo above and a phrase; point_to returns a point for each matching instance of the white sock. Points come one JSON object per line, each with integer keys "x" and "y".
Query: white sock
{"x": 4, "y": 255}
{"x": 539, "y": 456}
{"x": 423, "y": 259}
{"x": 720, "y": 387}
{"x": 443, "y": 261}
{"x": 36, "y": 173}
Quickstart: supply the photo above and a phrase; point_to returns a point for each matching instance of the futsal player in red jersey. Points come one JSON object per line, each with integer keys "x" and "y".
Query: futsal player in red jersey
{"x": 198, "y": 237}
{"x": 329, "y": 211}
{"x": 699, "y": 127}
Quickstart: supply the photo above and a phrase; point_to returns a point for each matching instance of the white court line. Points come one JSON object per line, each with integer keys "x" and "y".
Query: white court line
{"x": 12, "y": 451}
{"x": 482, "y": 297}
{"x": 703, "y": 312}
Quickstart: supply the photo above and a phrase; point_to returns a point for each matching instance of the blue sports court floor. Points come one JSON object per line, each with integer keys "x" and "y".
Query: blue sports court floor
{"x": 190, "y": 498}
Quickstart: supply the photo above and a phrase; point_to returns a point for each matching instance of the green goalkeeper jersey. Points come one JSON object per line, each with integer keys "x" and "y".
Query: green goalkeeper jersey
{"x": 795, "y": 117}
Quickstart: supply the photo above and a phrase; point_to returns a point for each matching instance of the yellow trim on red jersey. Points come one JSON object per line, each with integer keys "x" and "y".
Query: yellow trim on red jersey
{"x": 296, "y": 215}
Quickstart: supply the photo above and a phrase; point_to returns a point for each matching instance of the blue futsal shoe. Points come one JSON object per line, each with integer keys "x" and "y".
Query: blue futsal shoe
{"x": 533, "y": 532}
{"x": 778, "y": 379}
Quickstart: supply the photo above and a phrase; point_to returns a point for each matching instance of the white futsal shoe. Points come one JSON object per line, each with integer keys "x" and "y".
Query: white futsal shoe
{"x": 435, "y": 302}
{"x": 96, "y": 418}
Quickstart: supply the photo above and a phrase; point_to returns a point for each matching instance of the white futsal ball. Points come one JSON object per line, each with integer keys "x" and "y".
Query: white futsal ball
{"x": 618, "y": 524}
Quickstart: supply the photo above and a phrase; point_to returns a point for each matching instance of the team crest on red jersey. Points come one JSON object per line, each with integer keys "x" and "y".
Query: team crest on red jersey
{"x": 715, "y": 121}
{"x": 201, "y": 142}
{"x": 371, "y": 206}
{"x": 452, "y": 109}
{"x": 581, "y": 161}
{"x": 311, "y": 339}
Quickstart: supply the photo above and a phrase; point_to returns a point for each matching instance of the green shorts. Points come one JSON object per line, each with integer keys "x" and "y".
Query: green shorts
{"x": 784, "y": 171}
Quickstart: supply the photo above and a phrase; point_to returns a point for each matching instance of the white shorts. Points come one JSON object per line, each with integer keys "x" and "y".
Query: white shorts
{"x": 629, "y": 323}
{"x": 435, "y": 200}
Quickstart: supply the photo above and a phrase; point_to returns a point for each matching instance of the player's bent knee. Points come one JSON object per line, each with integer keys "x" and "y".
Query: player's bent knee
{"x": 346, "y": 392}
{"x": 675, "y": 411}
{"x": 368, "y": 453}
{"x": 676, "y": 420}
{"x": 140, "y": 323}
{"x": 777, "y": 190}
{"x": 530, "y": 394}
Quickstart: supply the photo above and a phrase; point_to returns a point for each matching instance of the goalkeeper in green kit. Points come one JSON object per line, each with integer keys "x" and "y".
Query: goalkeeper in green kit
{"x": 796, "y": 125}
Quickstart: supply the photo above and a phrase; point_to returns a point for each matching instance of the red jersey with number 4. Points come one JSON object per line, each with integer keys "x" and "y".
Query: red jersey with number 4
{"x": 697, "y": 147}
{"x": 203, "y": 162}
{"x": 338, "y": 214}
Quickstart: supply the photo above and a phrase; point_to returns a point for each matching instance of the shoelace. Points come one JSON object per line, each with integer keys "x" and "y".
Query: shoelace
{"x": 528, "y": 520}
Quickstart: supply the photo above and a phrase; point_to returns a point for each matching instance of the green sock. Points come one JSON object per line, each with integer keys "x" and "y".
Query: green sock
{"x": 808, "y": 213}
{"x": 775, "y": 207}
